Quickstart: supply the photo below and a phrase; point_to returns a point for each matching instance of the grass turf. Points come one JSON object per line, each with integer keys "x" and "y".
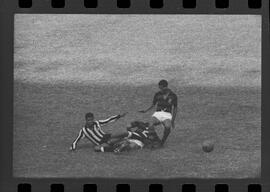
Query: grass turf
{"x": 48, "y": 117}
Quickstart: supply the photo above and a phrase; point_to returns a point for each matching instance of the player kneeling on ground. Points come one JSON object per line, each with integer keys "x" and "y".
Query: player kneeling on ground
{"x": 92, "y": 130}
{"x": 138, "y": 136}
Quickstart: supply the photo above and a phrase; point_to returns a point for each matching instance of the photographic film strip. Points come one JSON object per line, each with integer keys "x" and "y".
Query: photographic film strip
{"x": 134, "y": 95}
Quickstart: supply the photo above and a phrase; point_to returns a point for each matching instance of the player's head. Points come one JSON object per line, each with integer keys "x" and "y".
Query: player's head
{"x": 89, "y": 118}
{"x": 163, "y": 84}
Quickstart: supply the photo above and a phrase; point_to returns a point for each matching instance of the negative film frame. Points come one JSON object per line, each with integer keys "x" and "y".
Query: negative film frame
{"x": 9, "y": 183}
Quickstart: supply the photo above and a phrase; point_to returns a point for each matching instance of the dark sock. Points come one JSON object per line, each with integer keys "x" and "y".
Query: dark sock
{"x": 165, "y": 136}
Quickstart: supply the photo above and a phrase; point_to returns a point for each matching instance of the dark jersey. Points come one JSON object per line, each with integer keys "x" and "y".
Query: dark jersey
{"x": 165, "y": 101}
{"x": 143, "y": 135}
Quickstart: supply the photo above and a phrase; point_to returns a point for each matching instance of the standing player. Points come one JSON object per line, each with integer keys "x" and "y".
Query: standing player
{"x": 166, "y": 109}
{"x": 92, "y": 130}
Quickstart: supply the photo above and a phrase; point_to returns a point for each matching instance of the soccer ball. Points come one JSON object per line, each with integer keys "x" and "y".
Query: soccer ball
{"x": 208, "y": 146}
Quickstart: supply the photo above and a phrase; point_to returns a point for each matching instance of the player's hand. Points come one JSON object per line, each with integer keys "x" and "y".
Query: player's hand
{"x": 123, "y": 115}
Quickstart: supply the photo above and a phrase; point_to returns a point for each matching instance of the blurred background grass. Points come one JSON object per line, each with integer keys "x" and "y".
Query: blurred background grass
{"x": 211, "y": 50}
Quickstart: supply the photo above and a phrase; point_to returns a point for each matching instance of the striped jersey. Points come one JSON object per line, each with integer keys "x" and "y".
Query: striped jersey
{"x": 95, "y": 134}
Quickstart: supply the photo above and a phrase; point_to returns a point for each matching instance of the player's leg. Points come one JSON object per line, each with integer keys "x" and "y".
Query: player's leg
{"x": 74, "y": 144}
{"x": 134, "y": 146}
{"x": 119, "y": 135}
{"x": 153, "y": 140}
{"x": 105, "y": 147}
{"x": 167, "y": 124}
{"x": 154, "y": 122}
{"x": 114, "y": 138}
{"x": 124, "y": 146}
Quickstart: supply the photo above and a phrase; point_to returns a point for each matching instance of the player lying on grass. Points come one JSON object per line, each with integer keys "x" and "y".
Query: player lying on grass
{"x": 139, "y": 135}
{"x": 92, "y": 130}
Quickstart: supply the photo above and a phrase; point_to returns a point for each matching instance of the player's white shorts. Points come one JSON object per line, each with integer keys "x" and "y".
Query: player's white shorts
{"x": 162, "y": 115}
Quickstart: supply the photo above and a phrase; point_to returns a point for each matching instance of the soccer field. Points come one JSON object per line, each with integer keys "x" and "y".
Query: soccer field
{"x": 66, "y": 66}
{"x": 48, "y": 118}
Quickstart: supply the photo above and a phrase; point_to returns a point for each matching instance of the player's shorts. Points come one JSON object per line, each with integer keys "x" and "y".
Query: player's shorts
{"x": 162, "y": 115}
{"x": 137, "y": 142}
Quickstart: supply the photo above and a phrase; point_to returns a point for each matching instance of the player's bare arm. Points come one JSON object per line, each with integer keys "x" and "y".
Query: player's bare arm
{"x": 174, "y": 112}
{"x": 112, "y": 118}
{"x": 150, "y": 108}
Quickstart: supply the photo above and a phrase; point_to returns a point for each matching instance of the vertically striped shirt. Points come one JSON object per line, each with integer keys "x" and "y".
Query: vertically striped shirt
{"x": 95, "y": 133}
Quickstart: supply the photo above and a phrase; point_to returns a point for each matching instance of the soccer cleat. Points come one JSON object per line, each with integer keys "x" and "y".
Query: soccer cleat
{"x": 99, "y": 149}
